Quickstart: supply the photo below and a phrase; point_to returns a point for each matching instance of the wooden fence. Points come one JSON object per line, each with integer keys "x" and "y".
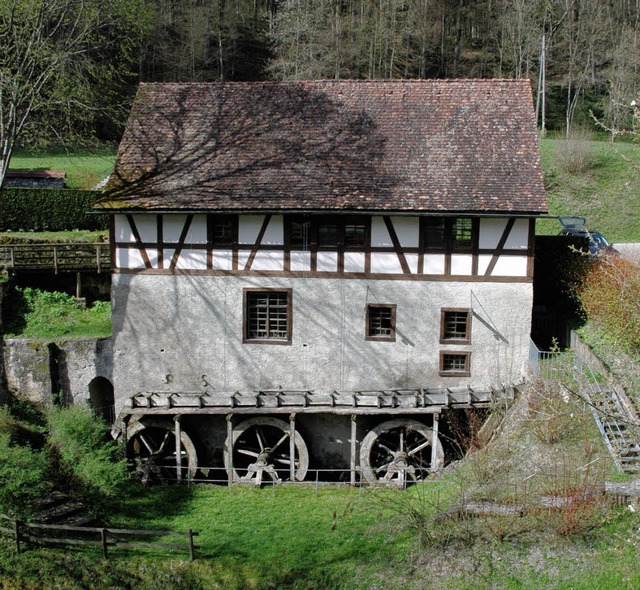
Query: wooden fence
{"x": 58, "y": 257}
{"x": 106, "y": 538}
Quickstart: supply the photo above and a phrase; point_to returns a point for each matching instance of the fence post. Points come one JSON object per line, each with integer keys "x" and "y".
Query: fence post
{"x": 103, "y": 538}
{"x": 16, "y": 530}
{"x": 192, "y": 552}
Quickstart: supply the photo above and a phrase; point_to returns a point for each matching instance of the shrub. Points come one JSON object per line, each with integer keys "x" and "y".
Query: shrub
{"x": 610, "y": 297}
{"x": 23, "y": 478}
{"x": 80, "y": 441}
{"x": 576, "y": 155}
{"x": 34, "y": 313}
{"x": 49, "y": 210}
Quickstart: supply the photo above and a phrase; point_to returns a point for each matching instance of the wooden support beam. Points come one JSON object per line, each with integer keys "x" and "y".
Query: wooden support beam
{"x": 178, "y": 436}
{"x": 354, "y": 448}
{"x": 230, "y": 448}
{"x": 292, "y": 447}
{"x": 434, "y": 443}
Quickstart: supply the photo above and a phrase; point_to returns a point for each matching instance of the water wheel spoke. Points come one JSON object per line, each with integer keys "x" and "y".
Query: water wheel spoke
{"x": 284, "y": 437}
{"x": 248, "y": 452}
{"x": 145, "y": 442}
{"x": 426, "y": 443}
{"x": 259, "y": 437}
{"x": 386, "y": 448}
{"x": 163, "y": 443}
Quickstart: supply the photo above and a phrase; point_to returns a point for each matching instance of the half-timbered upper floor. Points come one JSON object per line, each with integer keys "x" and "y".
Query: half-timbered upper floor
{"x": 358, "y": 246}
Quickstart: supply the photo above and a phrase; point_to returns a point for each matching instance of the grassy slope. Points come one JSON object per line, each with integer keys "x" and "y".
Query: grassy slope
{"x": 84, "y": 169}
{"x": 607, "y": 192}
{"x": 297, "y": 537}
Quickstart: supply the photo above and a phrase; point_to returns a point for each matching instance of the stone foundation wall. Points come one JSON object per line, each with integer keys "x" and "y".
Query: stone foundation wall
{"x": 41, "y": 371}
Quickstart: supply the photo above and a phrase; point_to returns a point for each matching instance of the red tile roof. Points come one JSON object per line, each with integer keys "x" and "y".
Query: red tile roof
{"x": 425, "y": 146}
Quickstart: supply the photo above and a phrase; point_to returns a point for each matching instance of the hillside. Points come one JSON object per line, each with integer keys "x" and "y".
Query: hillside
{"x": 598, "y": 180}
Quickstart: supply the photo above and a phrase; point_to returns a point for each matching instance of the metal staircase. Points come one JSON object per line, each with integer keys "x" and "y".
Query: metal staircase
{"x": 612, "y": 410}
{"x": 615, "y": 416}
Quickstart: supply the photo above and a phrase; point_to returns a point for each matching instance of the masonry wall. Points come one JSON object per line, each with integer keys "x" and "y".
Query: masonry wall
{"x": 41, "y": 371}
{"x": 185, "y": 333}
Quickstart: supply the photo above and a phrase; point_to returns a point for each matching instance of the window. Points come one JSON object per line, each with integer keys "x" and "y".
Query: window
{"x": 454, "y": 364}
{"x": 327, "y": 235}
{"x": 381, "y": 322}
{"x": 461, "y": 232}
{"x": 299, "y": 234}
{"x": 267, "y": 316}
{"x": 433, "y": 231}
{"x": 224, "y": 230}
{"x": 355, "y": 234}
{"x": 455, "y": 326}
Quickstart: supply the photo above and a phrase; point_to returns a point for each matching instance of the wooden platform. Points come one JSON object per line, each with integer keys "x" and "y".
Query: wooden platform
{"x": 388, "y": 402}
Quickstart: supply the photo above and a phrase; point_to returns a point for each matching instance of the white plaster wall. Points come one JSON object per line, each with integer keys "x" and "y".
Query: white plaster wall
{"x": 170, "y": 331}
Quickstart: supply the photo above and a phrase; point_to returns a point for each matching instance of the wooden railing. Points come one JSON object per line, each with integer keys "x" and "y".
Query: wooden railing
{"x": 59, "y": 257}
{"x": 49, "y": 534}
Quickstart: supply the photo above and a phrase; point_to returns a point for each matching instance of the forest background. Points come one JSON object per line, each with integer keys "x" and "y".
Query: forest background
{"x": 582, "y": 56}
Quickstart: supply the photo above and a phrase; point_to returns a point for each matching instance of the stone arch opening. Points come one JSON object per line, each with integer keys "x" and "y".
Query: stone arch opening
{"x": 102, "y": 399}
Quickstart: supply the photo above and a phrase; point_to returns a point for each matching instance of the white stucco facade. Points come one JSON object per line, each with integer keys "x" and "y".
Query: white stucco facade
{"x": 185, "y": 333}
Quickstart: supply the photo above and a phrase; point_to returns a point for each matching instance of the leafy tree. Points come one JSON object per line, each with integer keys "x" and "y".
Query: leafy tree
{"x": 63, "y": 63}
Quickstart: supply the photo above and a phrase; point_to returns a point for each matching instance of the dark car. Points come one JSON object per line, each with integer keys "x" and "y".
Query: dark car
{"x": 576, "y": 226}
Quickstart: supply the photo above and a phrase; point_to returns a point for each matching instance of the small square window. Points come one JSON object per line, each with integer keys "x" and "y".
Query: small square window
{"x": 454, "y": 364}
{"x": 267, "y": 316}
{"x": 224, "y": 231}
{"x": 381, "y": 322}
{"x": 455, "y": 326}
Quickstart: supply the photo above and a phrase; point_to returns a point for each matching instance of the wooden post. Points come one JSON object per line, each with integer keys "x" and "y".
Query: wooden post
{"x": 292, "y": 447}
{"x": 178, "y": 437}
{"x": 16, "y": 531}
{"x": 230, "y": 448}
{"x": 353, "y": 449}
{"x": 78, "y": 285}
{"x": 55, "y": 259}
{"x": 98, "y": 257}
{"x": 434, "y": 443}
{"x": 103, "y": 538}
{"x": 192, "y": 549}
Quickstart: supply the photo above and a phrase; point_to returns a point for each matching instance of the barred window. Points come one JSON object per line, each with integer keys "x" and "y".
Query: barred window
{"x": 455, "y": 326}
{"x": 381, "y": 322}
{"x": 454, "y": 364}
{"x": 267, "y": 316}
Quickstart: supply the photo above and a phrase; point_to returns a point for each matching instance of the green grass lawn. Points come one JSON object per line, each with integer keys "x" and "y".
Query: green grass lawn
{"x": 337, "y": 539}
{"x": 84, "y": 169}
{"x": 605, "y": 189}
